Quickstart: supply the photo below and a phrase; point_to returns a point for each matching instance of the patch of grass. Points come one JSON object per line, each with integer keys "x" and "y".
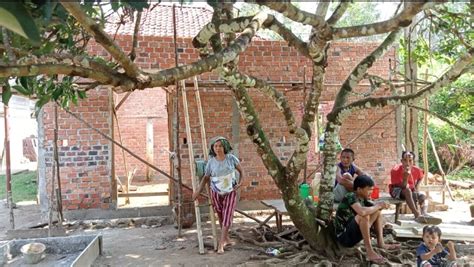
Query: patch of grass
{"x": 464, "y": 174}
{"x": 24, "y": 186}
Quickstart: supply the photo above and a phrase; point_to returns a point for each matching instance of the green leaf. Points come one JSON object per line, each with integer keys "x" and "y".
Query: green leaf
{"x": 24, "y": 82}
{"x": 16, "y": 18}
{"x": 57, "y": 93}
{"x": 42, "y": 101}
{"x": 81, "y": 94}
{"x": 6, "y": 95}
{"x": 22, "y": 90}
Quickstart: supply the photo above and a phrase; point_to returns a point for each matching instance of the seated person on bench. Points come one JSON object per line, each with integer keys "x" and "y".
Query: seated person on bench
{"x": 405, "y": 178}
{"x": 345, "y": 174}
{"x": 356, "y": 215}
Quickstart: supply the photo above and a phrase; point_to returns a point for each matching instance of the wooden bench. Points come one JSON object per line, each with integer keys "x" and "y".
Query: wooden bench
{"x": 279, "y": 208}
{"x": 397, "y": 202}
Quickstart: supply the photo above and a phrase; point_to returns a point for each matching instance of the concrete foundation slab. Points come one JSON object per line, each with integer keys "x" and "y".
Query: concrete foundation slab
{"x": 74, "y": 251}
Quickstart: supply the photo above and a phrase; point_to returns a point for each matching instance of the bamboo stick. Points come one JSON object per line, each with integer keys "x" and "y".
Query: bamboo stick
{"x": 192, "y": 167}
{"x": 8, "y": 173}
{"x": 443, "y": 175}
{"x": 204, "y": 150}
{"x": 177, "y": 165}
{"x": 59, "y": 198}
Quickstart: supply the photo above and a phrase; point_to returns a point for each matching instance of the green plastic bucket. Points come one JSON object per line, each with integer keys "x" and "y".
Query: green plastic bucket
{"x": 304, "y": 190}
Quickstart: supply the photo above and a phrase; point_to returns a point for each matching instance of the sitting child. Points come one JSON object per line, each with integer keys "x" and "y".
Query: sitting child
{"x": 355, "y": 216}
{"x": 431, "y": 252}
{"x": 345, "y": 173}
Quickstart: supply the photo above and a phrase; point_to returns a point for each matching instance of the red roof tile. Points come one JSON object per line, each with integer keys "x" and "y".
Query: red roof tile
{"x": 157, "y": 20}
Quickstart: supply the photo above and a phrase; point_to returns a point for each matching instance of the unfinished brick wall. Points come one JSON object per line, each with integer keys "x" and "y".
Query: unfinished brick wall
{"x": 86, "y": 181}
{"x": 140, "y": 108}
{"x": 84, "y": 155}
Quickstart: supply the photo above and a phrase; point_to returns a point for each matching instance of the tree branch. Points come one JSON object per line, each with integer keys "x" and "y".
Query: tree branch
{"x": 359, "y": 71}
{"x": 238, "y": 24}
{"x": 136, "y": 30}
{"x": 457, "y": 69}
{"x": 106, "y": 78}
{"x": 277, "y": 97}
{"x": 103, "y": 38}
{"x": 338, "y": 13}
{"x": 292, "y": 12}
{"x": 254, "y": 129}
{"x": 465, "y": 130}
{"x": 403, "y": 19}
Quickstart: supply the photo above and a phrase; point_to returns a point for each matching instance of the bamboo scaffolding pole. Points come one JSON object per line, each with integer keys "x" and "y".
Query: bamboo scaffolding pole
{"x": 59, "y": 199}
{"x": 192, "y": 167}
{"x": 8, "y": 173}
{"x": 212, "y": 215}
{"x": 177, "y": 162}
{"x": 125, "y": 165}
{"x": 443, "y": 175}
{"x": 144, "y": 161}
{"x": 425, "y": 149}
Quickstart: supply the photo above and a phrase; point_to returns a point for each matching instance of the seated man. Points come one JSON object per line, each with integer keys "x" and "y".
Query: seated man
{"x": 345, "y": 174}
{"x": 356, "y": 215}
{"x": 405, "y": 178}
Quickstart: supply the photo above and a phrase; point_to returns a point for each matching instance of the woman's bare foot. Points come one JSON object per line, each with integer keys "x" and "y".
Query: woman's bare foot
{"x": 229, "y": 242}
{"x": 220, "y": 249}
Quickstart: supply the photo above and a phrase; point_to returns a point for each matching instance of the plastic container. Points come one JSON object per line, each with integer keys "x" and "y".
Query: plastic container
{"x": 375, "y": 193}
{"x": 33, "y": 252}
{"x": 273, "y": 251}
{"x": 315, "y": 199}
{"x": 304, "y": 190}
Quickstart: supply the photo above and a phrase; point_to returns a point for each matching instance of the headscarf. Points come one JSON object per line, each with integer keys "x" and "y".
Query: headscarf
{"x": 224, "y": 142}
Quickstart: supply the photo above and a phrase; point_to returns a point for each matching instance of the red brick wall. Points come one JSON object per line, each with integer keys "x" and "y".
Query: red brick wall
{"x": 85, "y": 159}
{"x": 274, "y": 61}
{"x": 133, "y": 115}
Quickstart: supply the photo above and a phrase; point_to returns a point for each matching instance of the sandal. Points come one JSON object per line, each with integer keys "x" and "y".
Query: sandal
{"x": 378, "y": 260}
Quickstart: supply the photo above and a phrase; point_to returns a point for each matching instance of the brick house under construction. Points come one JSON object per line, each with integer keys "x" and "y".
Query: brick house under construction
{"x": 89, "y": 162}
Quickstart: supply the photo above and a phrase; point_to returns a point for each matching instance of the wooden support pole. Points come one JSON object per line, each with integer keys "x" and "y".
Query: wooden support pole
{"x": 113, "y": 177}
{"x": 177, "y": 157}
{"x": 425, "y": 146}
{"x": 443, "y": 175}
{"x": 149, "y": 147}
{"x": 8, "y": 173}
{"x": 59, "y": 198}
{"x": 212, "y": 215}
{"x": 125, "y": 165}
{"x": 122, "y": 101}
{"x": 192, "y": 167}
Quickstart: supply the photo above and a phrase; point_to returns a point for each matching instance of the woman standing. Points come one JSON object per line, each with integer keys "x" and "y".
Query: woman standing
{"x": 220, "y": 173}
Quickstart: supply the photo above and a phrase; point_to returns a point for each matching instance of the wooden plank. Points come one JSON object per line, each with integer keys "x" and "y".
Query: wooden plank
{"x": 450, "y": 232}
{"x": 431, "y": 188}
{"x": 143, "y": 194}
{"x": 192, "y": 167}
{"x": 276, "y": 204}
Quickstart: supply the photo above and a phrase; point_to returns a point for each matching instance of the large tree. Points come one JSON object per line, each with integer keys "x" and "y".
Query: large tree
{"x": 58, "y": 48}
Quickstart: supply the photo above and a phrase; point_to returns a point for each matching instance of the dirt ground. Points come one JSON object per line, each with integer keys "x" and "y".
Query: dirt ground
{"x": 160, "y": 246}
